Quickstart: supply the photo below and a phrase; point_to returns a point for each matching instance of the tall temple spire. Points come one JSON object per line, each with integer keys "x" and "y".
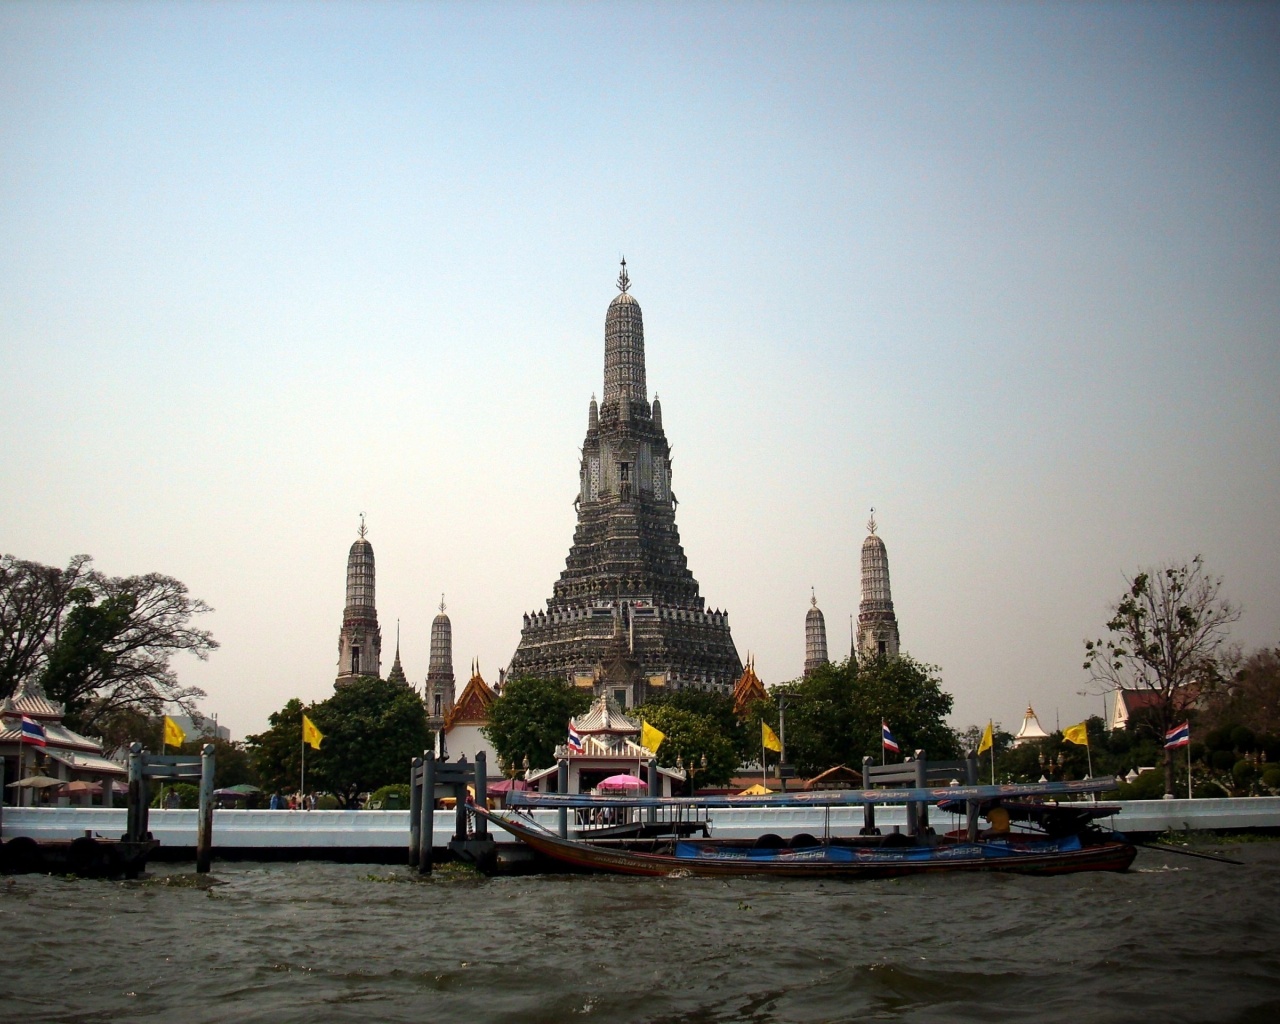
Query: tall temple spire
{"x": 396, "y": 675}
{"x": 439, "y": 690}
{"x": 624, "y": 352}
{"x": 626, "y": 565}
{"x": 815, "y": 637}
{"x": 360, "y": 639}
{"x": 877, "y": 624}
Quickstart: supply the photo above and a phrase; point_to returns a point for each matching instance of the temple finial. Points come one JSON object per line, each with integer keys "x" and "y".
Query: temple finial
{"x": 871, "y": 523}
{"x": 442, "y": 604}
{"x": 813, "y": 597}
{"x": 624, "y": 282}
{"x": 363, "y": 529}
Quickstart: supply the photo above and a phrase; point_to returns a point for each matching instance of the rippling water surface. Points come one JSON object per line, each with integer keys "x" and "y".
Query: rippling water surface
{"x": 1173, "y": 940}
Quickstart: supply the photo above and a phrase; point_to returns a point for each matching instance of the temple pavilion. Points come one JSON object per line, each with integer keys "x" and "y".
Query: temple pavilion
{"x": 610, "y": 746}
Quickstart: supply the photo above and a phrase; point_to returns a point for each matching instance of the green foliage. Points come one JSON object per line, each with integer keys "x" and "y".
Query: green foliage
{"x": 690, "y": 737}
{"x": 389, "y": 798}
{"x": 1271, "y": 777}
{"x": 1243, "y": 774}
{"x": 718, "y": 708}
{"x": 833, "y": 716}
{"x": 188, "y": 795}
{"x": 373, "y": 728}
{"x": 1147, "y": 786}
{"x": 531, "y": 719}
{"x": 231, "y": 765}
{"x": 275, "y": 756}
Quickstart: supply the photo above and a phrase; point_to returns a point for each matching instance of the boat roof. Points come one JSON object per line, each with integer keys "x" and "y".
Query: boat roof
{"x": 823, "y": 798}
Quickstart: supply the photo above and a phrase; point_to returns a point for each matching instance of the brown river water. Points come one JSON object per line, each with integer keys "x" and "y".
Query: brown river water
{"x": 1174, "y": 939}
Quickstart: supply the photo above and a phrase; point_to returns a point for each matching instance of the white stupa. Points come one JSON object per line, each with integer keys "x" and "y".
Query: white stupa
{"x": 1030, "y": 729}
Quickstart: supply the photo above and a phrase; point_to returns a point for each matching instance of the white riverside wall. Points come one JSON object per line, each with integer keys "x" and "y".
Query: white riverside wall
{"x": 390, "y": 829}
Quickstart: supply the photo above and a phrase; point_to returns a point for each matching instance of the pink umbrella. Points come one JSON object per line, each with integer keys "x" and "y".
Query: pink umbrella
{"x": 507, "y": 785}
{"x": 622, "y": 782}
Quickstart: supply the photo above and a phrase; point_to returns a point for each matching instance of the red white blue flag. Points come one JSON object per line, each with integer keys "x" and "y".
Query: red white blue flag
{"x": 575, "y": 741}
{"x": 1178, "y": 736}
{"x": 886, "y": 737}
{"x": 32, "y": 732}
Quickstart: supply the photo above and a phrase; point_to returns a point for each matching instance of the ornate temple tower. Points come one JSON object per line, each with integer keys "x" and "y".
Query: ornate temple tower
{"x": 396, "y": 675}
{"x": 877, "y": 625}
{"x": 625, "y": 617}
{"x": 815, "y": 638}
{"x": 360, "y": 639}
{"x": 439, "y": 691}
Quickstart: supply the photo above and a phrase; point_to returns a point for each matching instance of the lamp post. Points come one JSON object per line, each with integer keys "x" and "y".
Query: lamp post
{"x": 692, "y": 770}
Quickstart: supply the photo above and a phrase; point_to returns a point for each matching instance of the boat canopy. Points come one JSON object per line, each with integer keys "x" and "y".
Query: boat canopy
{"x": 824, "y": 798}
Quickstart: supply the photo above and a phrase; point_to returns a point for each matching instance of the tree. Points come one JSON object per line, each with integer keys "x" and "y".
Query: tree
{"x": 100, "y": 645}
{"x": 690, "y": 737}
{"x": 276, "y": 755}
{"x": 1251, "y": 696}
{"x": 1167, "y": 633}
{"x": 531, "y": 718}
{"x": 372, "y": 729}
{"x": 718, "y": 708}
{"x": 833, "y": 716}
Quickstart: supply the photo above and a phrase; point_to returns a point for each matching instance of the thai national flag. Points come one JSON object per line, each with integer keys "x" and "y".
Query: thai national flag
{"x": 32, "y": 732}
{"x": 575, "y": 741}
{"x": 886, "y": 737}
{"x": 1178, "y": 736}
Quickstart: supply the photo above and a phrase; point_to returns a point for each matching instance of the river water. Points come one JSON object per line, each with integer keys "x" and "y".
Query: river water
{"x": 1175, "y": 939}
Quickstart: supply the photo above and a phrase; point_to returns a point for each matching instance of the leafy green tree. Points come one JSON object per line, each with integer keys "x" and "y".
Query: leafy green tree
{"x": 100, "y": 645}
{"x": 690, "y": 737}
{"x": 833, "y": 716}
{"x": 1165, "y": 637}
{"x": 372, "y": 729}
{"x": 531, "y": 718}
{"x": 275, "y": 756}
{"x": 231, "y": 764}
{"x": 718, "y": 708}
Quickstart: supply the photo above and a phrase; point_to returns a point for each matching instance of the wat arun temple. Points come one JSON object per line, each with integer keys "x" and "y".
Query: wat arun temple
{"x": 626, "y": 617}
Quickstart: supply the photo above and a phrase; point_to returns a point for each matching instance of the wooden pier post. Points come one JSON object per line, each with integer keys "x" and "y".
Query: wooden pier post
{"x": 415, "y": 808}
{"x": 427, "y": 827}
{"x": 971, "y": 806}
{"x": 922, "y": 806}
{"x": 562, "y": 786}
{"x": 482, "y": 793}
{"x": 868, "y": 810}
{"x": 136, "y": 821}
{"x": 204, "y": 828}
{"x": 460, "y": 806}
{"x": 655, "y": 787}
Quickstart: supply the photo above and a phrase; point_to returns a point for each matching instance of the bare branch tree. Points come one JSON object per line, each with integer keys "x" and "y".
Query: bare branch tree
{"x": 1167, "y": 634}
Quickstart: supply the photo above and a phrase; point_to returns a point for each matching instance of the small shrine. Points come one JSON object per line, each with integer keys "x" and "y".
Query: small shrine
{"x": 1030, "y": 729}
{"x": 57, "y": 762}
{"x": 604, "y": 745}
{"x": 748, "y": 689}
{"x": 463, "y": 729}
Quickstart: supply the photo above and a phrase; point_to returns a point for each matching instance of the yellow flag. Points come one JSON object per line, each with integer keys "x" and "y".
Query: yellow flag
{"x": 651, "y": 738}
{"x": 769, "y": 738}
{"x": 988, "y": 738}
{"x": 173, "y": 734}
{"x": 311, "y": 736}
{"x": 1078, "y": 734}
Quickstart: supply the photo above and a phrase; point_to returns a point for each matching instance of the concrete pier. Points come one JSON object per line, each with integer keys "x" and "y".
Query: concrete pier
{"x": 382, "y": 836}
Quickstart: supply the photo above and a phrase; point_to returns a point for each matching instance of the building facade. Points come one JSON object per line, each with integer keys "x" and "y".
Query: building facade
{"x": 359, "y": 639}
{"x": 877, "y": 624}
{"x": 626, "y": 617}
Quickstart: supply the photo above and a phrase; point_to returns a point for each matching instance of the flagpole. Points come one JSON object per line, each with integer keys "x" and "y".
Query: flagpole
{"x": 991, "y": 726}
{"x": 303, "y": 788}
{"x": 1088, "y": 751}
{"x": 1189, "y": 764}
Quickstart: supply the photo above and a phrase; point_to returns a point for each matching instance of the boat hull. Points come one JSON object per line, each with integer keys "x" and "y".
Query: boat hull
{"x": 711, "y": 860}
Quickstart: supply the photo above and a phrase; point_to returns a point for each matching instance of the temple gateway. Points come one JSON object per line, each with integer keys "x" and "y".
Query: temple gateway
{"x": 625, "y": 618}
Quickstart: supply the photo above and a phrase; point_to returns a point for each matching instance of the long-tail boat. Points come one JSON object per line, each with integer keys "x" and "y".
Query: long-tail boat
{"x": 1053, "y": 838}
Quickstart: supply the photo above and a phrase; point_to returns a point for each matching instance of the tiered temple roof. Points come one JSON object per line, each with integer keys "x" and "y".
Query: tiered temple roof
{"x": 472, "y": 708}
{"x": 626, "y": 574}
{"x": 748, "y": 689}
{"x": 1030, "y": 728}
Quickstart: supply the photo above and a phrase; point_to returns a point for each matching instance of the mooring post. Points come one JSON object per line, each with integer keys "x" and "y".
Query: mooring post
{"x": 460, "y": 803}
{"x": 922, "y": 780}
{"x": 655, "y": 787}
{"x": 482, "y": 793}
{"x": 868, "y": 810}
{"x": 204, "y": 829}
{"x": 415, "y": 808}
{"x": 427, "y": 828}
{"x": 1, "y": 799}
{"x": 562, "y": 787}
{"x": 135, "y": 819}
{"x": 971, "y": 806}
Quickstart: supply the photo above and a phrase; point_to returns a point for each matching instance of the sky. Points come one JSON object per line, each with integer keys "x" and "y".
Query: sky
{"x": 1009, "y": 274}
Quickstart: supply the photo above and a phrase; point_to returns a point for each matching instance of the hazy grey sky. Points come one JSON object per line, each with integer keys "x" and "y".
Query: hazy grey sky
{"x": 1009, "y": 273}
